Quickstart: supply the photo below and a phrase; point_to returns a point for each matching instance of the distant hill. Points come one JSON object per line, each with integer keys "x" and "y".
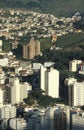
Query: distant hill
{"x": 56, "y": 7}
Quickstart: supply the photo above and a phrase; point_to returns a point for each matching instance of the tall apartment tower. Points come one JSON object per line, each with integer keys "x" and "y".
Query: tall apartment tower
{"x": 18, "y": 91}
{"x": 42, "y": 77}
{"x": 32, "y": 49}
{"x": 23, "y": 91}
{"x": 15, "y": 91}
{"x": 1, "y": 96}
{"x": 25, "y": 51}
{"x": 75, "y": 92}
{"x": 49, "y": 81}
{"x": 37, "y": 48}
{"x": 60, "y": 120}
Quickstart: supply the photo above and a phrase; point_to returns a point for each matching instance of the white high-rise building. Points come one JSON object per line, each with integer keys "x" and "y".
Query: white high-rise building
{"x": 42, "y": 77}
{"x": 50, "y": 81}
{"x": 23, "y": 91}
{"x": 70, "y": 80}
{"x": 19, "y": 91}
{"x": 1, "y": 96}
{"x": 15, "y": 91}
{"x": 75, "y": 92}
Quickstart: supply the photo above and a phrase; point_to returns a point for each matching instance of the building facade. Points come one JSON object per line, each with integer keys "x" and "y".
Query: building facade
{"x": 78, "y": 121}
{"x": 32, "y": 49}
{"x": 60, "y": 122}
{"x": 19, "y": 91}
{"x": 49, "y": 81}
{"x": 75, "y": 92}
{"x": 74, "y": 65}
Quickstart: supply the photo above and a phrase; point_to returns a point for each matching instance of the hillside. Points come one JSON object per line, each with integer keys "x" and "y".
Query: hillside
{"x": 56, "y": 7}
{"x": 71, "y": 41}
{"x": 68, "y": 42}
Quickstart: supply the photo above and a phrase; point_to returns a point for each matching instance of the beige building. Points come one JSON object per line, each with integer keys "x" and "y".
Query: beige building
{"x": 25, "y": 51}
{"x": 32, "y": 49}
{"x": 37, "y": 48}
{"x": 54, "y": 37}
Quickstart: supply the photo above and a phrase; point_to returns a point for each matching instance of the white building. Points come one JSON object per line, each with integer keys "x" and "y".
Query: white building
{"x": 78, "y": 93}
{"x": 1, "y": 96}
{"x": 50, "y": 81}
{"x": 36, "y": 66}
{"x": 49, "y": 64}
{"x": 2, "y": 78}
{"x": 75, "y": 92}
{"x": 23, "y": 91}
{"x": 4, "y": 62}
{"x": 15, "y": 91}
{"x": 19, "y": 91}
{"x": 78, "y": 121}
{"x": 69, "y": 81}
{"x": 73, "y": 65}
{"x": 42, "y": 77}
{"x": 18, "y": 124}
{"x": 17, "y": 69}
{"x": 81, "y": 71}
{"x": 7, "y": 111}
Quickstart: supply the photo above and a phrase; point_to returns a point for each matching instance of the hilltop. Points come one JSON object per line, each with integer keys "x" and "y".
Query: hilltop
{"x": 55, "y": 7}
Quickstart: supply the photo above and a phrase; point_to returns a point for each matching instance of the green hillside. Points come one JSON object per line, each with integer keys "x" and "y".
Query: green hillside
{"x": 71, "y": 41}
{"x": 68, "y": 42}
{"x": 56, "y": 7}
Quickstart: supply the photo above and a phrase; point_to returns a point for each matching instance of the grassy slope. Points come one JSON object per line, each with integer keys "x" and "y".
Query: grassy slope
{"x": 45, "y": 44}
{"x": 56, "y": 7}
{"x": 71, "y": 40}
{"x": 67, "y": 42}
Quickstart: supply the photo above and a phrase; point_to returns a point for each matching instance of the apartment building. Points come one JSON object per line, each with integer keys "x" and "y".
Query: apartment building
{"x": 49, "y": 81}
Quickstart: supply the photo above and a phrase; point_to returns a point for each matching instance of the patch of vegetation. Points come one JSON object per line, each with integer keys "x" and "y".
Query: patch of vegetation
{"x": 70, "y": 40}
{"x": 7, "y": 46}
{"x": 41, "y": 99}
{"x": 56, "y": 7}
{"x": 45, "y": 43}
